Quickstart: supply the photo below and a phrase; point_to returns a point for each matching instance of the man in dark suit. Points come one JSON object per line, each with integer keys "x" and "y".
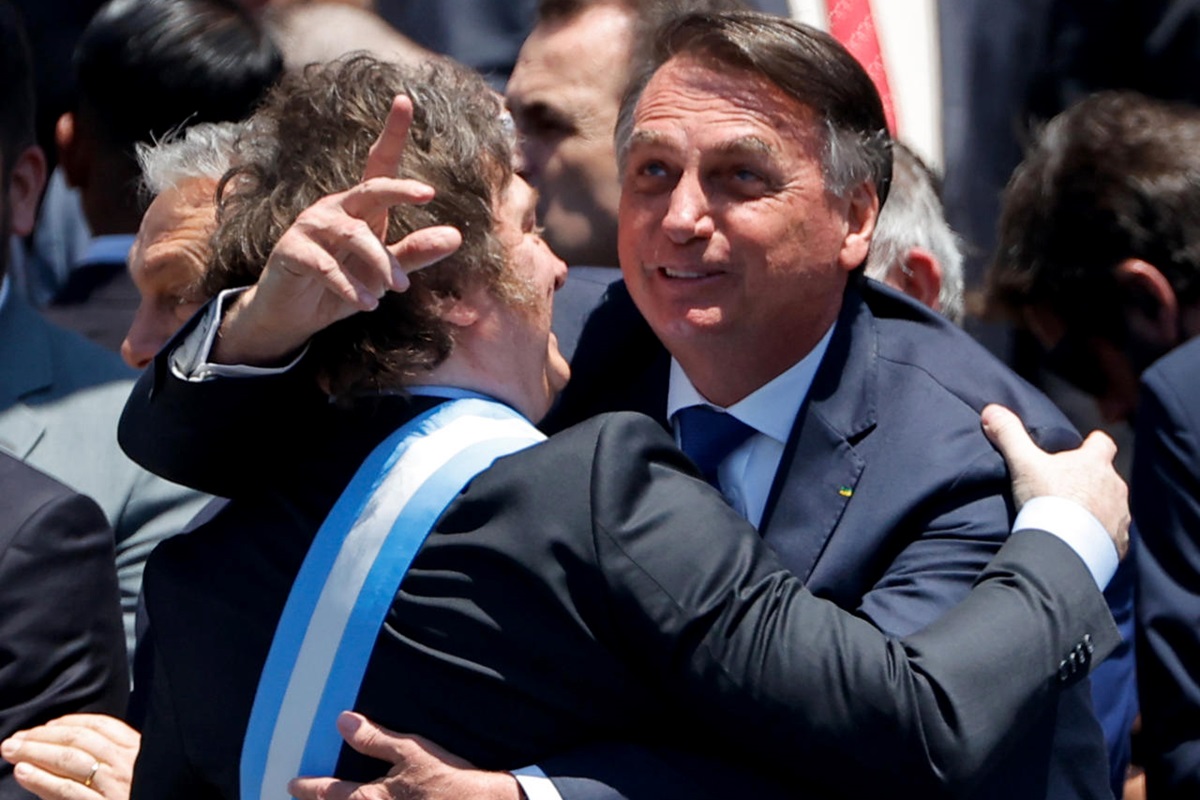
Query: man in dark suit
{"x": 859, "y": 508}
{"x": 584, "y": 622}
{"x": 63, "y": 645}
{"x": 1166, "y": 474}
{"x": 1098, "y": 244}
{"x": 885, "y": 498}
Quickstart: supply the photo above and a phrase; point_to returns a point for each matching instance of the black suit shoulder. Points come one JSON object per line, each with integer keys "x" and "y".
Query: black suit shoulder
{"x": 62, "y": 646}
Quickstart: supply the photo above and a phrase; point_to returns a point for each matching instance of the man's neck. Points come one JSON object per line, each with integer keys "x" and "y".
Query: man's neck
{"x": 462, "y": 370}
{"x": 725, "y": 371}
{"x": 780, "y": 397}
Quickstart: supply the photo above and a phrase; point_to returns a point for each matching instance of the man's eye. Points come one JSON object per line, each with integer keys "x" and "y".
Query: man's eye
{"x": 547, "y": 128}
{"x": 653, "y": 169}
{"x": 541, "y": 124}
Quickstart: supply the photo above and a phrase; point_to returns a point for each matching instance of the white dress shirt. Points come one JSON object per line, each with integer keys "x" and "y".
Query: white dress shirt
{"x": 746, "y": 474}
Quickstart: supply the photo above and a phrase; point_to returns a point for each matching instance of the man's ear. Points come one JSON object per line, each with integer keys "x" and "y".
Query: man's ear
{"x": 74, "y": 150}
{"x": 1153, "y": 308}
{"x": 919, "y": 276}
{"x": 861, "y": 214}
{"x": 458, "y": 311}
{"x": 27, "y": 178}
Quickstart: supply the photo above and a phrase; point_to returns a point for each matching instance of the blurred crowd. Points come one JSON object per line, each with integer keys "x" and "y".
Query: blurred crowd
{"x": 592, "y": 399}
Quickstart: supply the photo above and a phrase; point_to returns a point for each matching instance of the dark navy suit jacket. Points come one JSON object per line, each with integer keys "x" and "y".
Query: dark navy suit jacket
{"x": 1166, "y": 513}
{"x": 889, "y": 500}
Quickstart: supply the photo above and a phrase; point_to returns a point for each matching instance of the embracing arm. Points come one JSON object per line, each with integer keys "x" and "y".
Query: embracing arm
{"x": 780, "y": 680}
{"x": 225, "y": 435}
{"x": 797, "y": 681}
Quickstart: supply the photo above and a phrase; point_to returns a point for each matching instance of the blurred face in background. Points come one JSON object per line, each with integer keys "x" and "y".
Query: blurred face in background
{"x": 167, "y": 263}
{"x": 564, "y": 95}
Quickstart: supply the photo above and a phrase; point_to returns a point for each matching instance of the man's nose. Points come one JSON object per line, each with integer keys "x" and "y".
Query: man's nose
{"x": 688, "y": 214}
{"x": 142, "y": 342}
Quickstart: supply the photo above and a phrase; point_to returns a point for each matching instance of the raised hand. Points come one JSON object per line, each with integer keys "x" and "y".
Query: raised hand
{"x": 333, "y": 261}
{"x": 1085, "y": 474}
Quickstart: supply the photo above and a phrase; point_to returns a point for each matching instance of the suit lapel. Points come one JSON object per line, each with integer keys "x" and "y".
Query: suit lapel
{"x": 820, "y": 467}
{"x": 25, "y": 368}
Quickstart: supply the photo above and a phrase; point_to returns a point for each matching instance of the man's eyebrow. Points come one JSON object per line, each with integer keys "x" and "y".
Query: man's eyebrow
{"x": 645, "y": 138}
{"x": 746, "y": 145}
{"x": 741, "y": 145}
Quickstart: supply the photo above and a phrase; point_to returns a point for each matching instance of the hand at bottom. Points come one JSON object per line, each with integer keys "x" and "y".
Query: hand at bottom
{"x": 75, "y": 757}
{"x": 421, "y": 770}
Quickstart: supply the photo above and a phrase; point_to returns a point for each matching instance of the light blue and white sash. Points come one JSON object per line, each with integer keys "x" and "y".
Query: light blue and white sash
{"x": 350, "y": 577}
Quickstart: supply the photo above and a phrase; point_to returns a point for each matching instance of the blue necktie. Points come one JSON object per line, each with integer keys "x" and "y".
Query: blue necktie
{"x": 708, "y": 437}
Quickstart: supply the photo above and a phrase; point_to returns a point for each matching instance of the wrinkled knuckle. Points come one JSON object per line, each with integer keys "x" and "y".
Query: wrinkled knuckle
{"x": 372, "y": 184}
{"x": 72, "y": 738}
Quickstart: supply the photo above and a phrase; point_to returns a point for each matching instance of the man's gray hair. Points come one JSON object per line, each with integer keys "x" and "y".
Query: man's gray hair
{"x": 205, "y": 150}
{"x": 912, "y": 217}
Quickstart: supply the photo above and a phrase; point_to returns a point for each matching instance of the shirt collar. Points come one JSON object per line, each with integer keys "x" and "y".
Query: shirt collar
{"x": 772, "y": 408}
{"x": 454, "y": 393}
{"x": 446, "y": 392}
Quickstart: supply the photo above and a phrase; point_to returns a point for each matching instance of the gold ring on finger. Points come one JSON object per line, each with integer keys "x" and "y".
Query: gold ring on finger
{"x": 92, "y": 775}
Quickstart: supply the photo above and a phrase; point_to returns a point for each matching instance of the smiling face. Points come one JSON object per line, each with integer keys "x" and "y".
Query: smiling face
{"x": 167, "y": 263}
{"x": 564, "y": 94}
{"x": 530, "y": 357}
{"x": 729, "y": 243}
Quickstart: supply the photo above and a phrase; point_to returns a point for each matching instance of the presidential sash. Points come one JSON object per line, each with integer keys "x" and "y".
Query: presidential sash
{"x": 350, "y": 577}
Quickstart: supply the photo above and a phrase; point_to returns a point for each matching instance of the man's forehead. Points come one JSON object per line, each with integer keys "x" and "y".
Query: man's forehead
{"x": 737, "y": 113}
{"x": 705, "y": 84}
{"x": 590, "y": 48}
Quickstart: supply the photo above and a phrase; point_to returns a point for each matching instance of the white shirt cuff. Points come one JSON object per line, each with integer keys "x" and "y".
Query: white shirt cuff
{"x": 1078, "y": 528}
{"x": 189, "y": 360}
{"x": 535, "y": 784}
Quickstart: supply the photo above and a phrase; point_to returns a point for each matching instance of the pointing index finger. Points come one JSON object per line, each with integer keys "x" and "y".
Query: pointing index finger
{"x": 383, "y": 160}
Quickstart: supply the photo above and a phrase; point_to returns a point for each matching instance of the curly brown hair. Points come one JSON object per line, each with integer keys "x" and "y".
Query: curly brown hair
{"x": 311, "y": 139}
